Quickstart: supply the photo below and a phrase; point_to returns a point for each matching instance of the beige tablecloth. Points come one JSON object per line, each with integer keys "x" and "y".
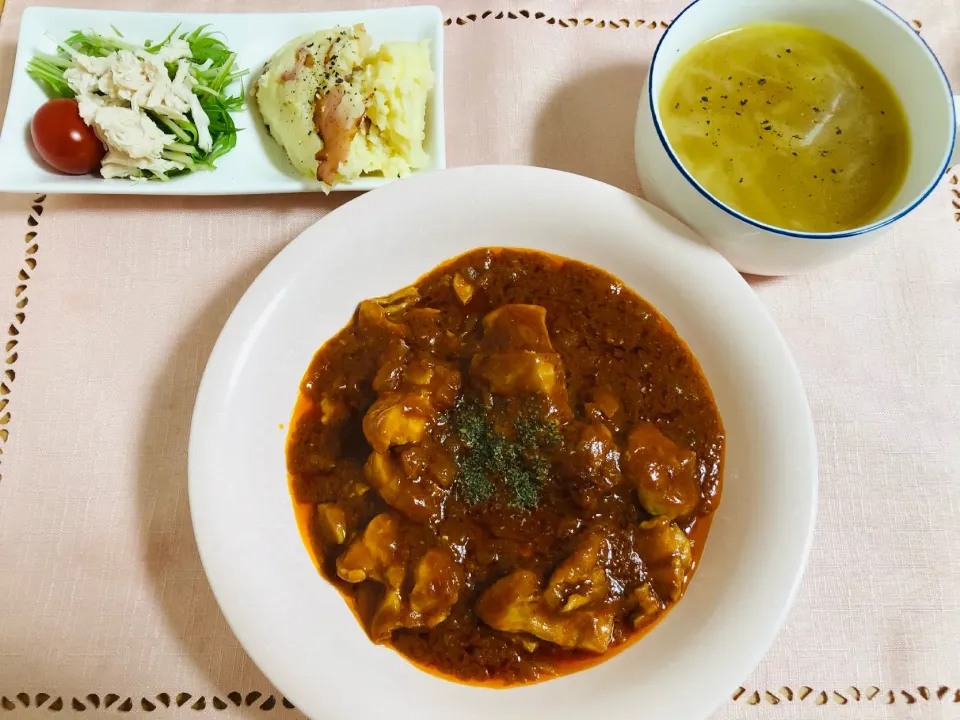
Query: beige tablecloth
{"x": 113, "y": 305}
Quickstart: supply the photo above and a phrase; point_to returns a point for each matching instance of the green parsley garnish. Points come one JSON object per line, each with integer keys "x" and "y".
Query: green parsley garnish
{"x": 492, "y": 460}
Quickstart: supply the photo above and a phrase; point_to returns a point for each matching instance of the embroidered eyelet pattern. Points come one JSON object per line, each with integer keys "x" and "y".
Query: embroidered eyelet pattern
{"x": 254, "y": 699}
{"x": 954, "y": 181}
{"x": 118, "y": 703}
{"x": 11, "y": 355}
{"x": 614, "y": 23}
{"x": 850, "y": 695}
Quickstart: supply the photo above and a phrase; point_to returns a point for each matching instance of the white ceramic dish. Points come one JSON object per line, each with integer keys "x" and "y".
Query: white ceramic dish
{"x": 257, "y": 165}
{"x": 881, "y": 36}
{"x": 295, "y": 625}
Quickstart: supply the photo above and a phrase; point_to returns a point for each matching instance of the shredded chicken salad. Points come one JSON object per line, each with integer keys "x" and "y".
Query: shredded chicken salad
{"x": 160, "y": 109}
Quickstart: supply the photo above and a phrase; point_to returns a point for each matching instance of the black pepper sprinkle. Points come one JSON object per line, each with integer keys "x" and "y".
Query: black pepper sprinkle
{"x": 339, "y": 80}
{"x": 767, "y": 127}
{"x": 741, "y": 179}
{"x": 739, "y": 114}
{"x": 742, "y": 103}
{"x": 839, "y": 131}
{"x": 833, "y": 171}
{"x": 708, "y": 122}
{"x": 762, "y": 81}
{"x": 796, "y": 137}
{"x": 816, "y": 109}
{"x": 677, "y": 106}
{"x": 795, "y": 155}
{"x": 789, "y": 50}
{"x": 704, "y": 99}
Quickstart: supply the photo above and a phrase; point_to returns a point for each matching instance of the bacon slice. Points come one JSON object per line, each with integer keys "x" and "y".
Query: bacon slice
{"x": 337, "y": 121}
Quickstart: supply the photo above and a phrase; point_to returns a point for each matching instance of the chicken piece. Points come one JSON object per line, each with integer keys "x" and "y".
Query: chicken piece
{"x": 519, "y": 373}
{"x": 604, "y": 407}
{"x": 413, "y": 493}
{"x": 375, "y": 555}
{"x": 517, "y": 356}
{"x": 391, "y": 614}
{"x": 438, "y": 382}
{"x": 372, "y": 315}
{"x": 662, "y": 471}
{"x": 667, "y": 555}
{"x": 581, "y": 579}
{"x": 594, "y": 462}
{"x": 397, "y": 302}
{"x": 332, "y": 523}
{"x": 397, "y": 419}
{"x": 429, "y": 460}
{"x": 515, "y": 604}
{"x": 382, "y": 312}
{"x": 516, "y": 328}
{"x": 597, "y": 453}
{"x": 126, "y": 131}
{"x": 202, "y": 122}
{"x": 392, "y": 363}
{"x": 436, "y": 587}
{"x": 647, "y": 605}
{"x": 427, "y": 331}
{"x": 462, "y": 288}
{"x": 400, "y": 369}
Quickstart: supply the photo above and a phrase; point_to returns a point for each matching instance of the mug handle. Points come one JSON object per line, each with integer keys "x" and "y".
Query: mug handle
{"x": 955, "y": 160}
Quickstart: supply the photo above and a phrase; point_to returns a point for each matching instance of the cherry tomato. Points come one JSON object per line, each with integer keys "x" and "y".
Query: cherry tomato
{"x": 64, "y": 140}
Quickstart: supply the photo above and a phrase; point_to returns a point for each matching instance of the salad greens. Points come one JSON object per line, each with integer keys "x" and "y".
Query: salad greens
{"x": 211, "y": 64}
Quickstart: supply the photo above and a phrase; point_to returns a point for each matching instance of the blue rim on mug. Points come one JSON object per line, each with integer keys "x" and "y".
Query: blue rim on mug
{"x": 783, "y": 231}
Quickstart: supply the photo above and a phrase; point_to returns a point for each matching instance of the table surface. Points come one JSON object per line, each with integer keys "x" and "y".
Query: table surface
{"x": 113, "y": 305}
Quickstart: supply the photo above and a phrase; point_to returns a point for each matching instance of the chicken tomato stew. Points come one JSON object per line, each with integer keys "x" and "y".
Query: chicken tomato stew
{"x": 508, "y": 469}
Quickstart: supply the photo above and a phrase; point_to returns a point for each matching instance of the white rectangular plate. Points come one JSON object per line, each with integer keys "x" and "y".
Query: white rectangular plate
{"x": 257, "y": 165}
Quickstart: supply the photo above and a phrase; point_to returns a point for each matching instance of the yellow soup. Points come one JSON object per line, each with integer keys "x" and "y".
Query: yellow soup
{"x": 789, "y": 126}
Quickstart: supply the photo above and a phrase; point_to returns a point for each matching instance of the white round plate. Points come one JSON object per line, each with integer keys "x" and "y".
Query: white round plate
{"x": 295, "y": 625}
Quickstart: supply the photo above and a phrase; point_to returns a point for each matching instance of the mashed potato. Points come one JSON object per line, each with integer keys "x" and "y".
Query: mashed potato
{"x": 340, "y": 111}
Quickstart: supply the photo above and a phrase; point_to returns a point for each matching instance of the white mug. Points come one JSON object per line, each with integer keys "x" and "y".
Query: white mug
{"x": 886, "y": 40}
